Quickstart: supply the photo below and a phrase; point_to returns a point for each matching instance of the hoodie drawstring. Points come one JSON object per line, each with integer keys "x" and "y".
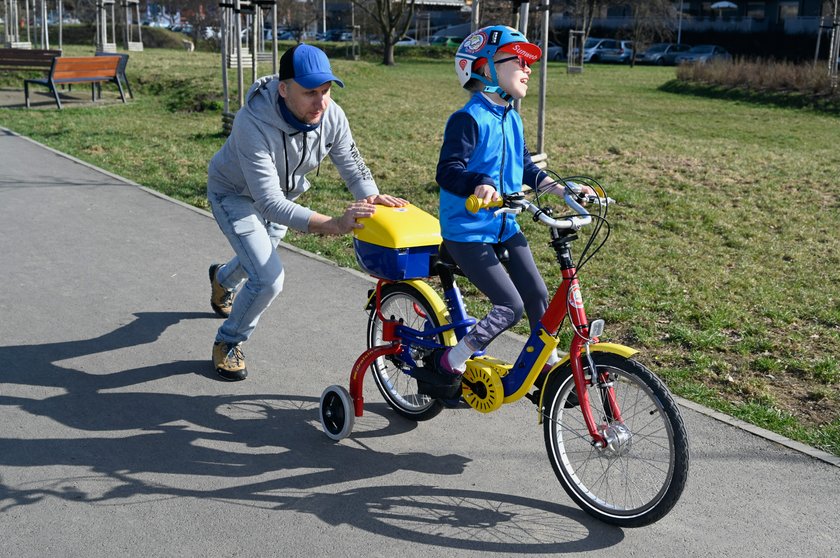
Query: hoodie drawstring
{"x": 286, "y": 159}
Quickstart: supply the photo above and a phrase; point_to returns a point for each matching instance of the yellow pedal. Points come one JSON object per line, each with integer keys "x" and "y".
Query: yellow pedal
{"x": 482, "y": 385}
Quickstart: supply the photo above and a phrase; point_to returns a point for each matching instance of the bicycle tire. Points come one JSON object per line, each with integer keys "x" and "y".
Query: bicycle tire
{"x": 400, "y": 390}
{"x": 637, "y": 480}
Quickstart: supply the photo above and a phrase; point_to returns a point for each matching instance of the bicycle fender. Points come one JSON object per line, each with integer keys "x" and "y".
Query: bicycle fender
{"x": 614, "y": 348}
{"x": 434, "y": 300}
{"x": 438, "y": 306}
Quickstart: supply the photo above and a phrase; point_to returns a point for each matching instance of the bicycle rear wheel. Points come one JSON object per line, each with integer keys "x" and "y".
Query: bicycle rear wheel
{"x": 399, "y": 389}
{"x": 639, "y": 476}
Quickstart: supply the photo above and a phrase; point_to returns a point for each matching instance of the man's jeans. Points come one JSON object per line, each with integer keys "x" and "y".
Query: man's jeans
{"x": 254, "y": 240}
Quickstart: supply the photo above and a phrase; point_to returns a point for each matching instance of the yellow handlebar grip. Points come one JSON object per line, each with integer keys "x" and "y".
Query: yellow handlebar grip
{"x": 473, "y": 204}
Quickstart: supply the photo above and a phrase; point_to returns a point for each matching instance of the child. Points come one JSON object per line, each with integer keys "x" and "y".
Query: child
{"x": 484, "y": 154}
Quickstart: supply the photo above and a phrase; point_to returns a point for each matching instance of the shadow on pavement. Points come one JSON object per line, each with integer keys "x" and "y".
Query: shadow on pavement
{"x": 205, "y": 446}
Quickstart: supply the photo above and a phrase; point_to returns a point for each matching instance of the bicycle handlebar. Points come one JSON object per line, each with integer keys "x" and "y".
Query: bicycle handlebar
{"x": 517, "y": 203}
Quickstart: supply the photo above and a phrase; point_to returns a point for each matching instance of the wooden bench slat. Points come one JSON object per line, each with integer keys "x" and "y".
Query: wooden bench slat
{"x": 94, "y": 67}
{"x": 15, "y": 59}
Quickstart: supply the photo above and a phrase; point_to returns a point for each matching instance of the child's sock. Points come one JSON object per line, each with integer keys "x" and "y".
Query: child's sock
{"x": 457, "y": 356}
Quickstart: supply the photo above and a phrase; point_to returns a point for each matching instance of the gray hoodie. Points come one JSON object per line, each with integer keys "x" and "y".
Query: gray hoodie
{"x": 266, "y": 159}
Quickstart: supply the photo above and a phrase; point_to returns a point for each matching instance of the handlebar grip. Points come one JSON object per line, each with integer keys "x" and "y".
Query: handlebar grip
{"x": 474, "y": 203}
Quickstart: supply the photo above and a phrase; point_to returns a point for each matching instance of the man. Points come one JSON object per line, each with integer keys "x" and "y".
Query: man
{"x": 287, "y": 126}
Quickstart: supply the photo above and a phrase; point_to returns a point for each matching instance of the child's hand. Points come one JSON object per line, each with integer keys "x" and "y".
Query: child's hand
{"x": 486, "y": 193}
{"x": 559, "y": 189}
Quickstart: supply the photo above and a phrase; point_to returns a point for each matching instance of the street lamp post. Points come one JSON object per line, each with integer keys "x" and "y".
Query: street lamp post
{"x": 679, "y": 25}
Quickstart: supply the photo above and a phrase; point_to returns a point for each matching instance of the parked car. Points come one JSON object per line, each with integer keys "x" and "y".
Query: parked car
{"x": 338, "y": 35}
{"x": 594, "y": 49}
{"x": 622, "y": 55}
{"x": 702, "y": 54}
{"x": 662, "y": 54}
{"x": 553, "y": 52}
{"x": 405, "y": 40}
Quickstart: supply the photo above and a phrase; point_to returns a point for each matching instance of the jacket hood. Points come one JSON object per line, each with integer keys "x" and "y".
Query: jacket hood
{"x": 262, "y": 102}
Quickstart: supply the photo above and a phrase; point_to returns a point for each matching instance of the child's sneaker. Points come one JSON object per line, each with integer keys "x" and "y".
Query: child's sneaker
{"x": 444, "y": 367}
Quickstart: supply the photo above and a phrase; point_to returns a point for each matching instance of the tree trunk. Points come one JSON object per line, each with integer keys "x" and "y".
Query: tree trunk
{"x": 388, "y": 52}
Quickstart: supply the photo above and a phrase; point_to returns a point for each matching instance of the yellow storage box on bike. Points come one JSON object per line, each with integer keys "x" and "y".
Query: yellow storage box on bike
{"x": 397, "y": 243}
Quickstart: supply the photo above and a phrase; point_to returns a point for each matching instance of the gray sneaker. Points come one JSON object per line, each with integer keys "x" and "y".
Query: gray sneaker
{"x": 221, "y": 299}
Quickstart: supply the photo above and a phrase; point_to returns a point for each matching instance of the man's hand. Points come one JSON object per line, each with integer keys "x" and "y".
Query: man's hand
{"x": 342, "y": 225}
{"x": 355, "y": 210}
{"x": 387, "y": 200}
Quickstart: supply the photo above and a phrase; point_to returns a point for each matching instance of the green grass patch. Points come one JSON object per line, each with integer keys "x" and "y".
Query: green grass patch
{"x": 722, "y": 266}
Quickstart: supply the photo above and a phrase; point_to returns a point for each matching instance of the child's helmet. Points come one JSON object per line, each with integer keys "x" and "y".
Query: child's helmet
{"x": 479, "y": 48}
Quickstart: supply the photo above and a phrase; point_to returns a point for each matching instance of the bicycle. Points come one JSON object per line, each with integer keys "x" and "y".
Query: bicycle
{"x": 613, "y": 433}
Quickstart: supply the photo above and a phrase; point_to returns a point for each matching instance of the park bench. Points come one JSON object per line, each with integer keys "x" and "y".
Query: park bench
{"x": 120, "y": 69}
{"x": 18, "y": 59}
{"x": 66, "y": 70}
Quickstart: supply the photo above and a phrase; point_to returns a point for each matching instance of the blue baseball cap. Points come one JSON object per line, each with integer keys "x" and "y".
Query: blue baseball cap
{"x": 308, "y": 66}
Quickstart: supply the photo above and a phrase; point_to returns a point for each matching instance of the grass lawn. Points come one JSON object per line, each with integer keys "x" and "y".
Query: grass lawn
{"x": 722, "y": 267}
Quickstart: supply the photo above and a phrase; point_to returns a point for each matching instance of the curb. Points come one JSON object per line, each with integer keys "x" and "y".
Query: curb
{"x": 711, "y": 413}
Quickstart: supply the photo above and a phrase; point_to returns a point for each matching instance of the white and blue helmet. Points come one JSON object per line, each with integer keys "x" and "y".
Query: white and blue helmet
{"x": 479, "y": 48}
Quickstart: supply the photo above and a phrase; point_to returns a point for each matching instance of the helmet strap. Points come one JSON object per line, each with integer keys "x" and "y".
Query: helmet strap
{"x": 491, "y": 85}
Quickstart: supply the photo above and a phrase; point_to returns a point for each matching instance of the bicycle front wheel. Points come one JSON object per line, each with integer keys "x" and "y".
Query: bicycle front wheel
{"x": 399, "y": 389}
{"x": 640, "y": 474}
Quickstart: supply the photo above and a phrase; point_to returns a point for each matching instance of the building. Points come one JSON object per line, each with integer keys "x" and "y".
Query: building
{"x": 787, "y": 16}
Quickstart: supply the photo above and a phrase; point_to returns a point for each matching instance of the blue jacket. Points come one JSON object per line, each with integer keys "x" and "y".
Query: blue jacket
{"x": 483, "y": 143}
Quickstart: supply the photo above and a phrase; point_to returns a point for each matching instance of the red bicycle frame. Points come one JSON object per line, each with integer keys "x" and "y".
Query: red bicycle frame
{"x": 569, "y": 301}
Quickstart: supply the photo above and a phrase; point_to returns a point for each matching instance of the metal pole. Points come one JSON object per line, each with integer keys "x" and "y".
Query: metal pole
{"x": 679, "y": 25}
{"x": 45, "y": 39}
{"x": 225, "y": 55}
{"x": 324, "y": 16}
{"x": 546, "y": 14}
{"x": 254, "y": 29}
{"x": 475, "y": 18}
{"x": 274, "y": 36}
{"x": 127, "y": 30}
{"x": 834, "y": 51}
{"x": 28, "y": 36}
{"x": 522, "y": 18}
{"x": 238, "y": 37}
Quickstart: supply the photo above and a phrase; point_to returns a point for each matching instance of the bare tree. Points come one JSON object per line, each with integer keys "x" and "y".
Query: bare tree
{"x": 652, "y": 20}
{"x": 584, "y": 12}
{"x": 297, "y": 16}
{"x": 392, "y": 18}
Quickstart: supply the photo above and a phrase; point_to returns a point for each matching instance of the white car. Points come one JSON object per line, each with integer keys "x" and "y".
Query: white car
{"x": 594, "y": 49}
{"x": 405, "y": 40}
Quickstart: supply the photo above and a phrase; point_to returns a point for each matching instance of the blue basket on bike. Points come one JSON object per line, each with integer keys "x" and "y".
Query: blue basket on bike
{"x": 397, "y": 243}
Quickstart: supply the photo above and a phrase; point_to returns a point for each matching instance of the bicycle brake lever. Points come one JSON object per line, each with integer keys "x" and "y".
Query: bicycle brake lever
{"x": 511, "y": 210}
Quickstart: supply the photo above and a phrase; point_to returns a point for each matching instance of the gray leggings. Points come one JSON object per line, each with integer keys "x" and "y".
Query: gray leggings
{"x": 514, "y": 288}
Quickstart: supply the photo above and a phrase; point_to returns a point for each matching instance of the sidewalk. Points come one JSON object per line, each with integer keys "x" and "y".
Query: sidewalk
{"x": 118, "y": 440}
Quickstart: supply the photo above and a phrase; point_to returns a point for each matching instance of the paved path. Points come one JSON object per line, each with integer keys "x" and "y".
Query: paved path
{"x": 116, "y": 439}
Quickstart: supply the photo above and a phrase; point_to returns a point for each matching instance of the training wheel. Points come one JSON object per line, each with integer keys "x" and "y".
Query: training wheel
{"x": 336, "y": 412}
